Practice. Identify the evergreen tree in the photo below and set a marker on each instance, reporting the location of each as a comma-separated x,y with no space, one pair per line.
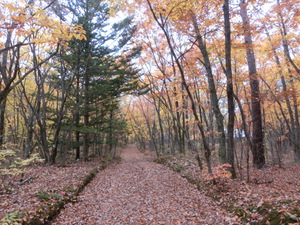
103,72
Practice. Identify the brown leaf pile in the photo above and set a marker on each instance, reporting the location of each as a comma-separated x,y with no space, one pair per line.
271,197
51,180
138,191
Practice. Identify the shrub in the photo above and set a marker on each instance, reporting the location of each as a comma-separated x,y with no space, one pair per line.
218,173
12,218
12,166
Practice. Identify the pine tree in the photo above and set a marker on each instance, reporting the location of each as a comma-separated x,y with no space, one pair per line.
103,73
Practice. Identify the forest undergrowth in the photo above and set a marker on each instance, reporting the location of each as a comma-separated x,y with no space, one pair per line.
37,195
272,195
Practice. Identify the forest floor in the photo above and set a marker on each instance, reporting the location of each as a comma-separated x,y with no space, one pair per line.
272,195
40,191
139,191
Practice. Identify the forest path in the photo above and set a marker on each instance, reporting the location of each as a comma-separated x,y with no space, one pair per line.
138,191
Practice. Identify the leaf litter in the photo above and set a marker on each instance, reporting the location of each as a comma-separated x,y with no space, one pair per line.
45,183
271,197
139,191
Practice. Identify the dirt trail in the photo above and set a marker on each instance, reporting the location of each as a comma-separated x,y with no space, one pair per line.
138,191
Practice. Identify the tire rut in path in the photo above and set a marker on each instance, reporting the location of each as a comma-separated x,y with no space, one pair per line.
138,191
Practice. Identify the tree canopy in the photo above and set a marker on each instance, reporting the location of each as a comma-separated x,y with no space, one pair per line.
217,78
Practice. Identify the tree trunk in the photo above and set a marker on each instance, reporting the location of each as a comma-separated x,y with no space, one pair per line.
230,98
77,120
213,92
86,117
257,129
29,136
2,118
4,92
110,133
162,139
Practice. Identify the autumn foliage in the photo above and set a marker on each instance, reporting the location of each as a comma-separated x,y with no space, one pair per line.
184,64
216,81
